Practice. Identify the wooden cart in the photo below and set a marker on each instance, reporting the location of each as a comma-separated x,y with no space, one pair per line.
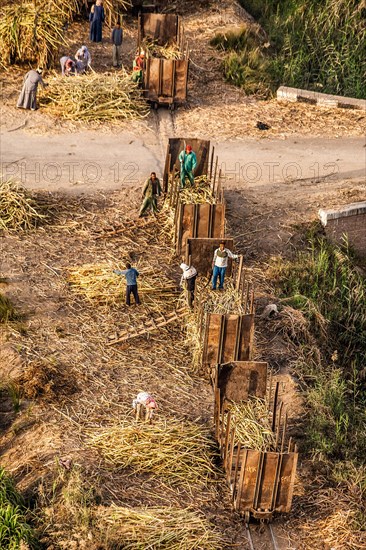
261,482
164,80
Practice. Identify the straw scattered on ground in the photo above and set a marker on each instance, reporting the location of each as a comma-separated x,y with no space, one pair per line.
18,210
181,452
173,528
98,283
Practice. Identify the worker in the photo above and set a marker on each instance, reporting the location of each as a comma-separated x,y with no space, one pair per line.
138,66
117,38
219,264
188,163
131,275
189,277
28,96
83,59
144,399
68,66
96,19
150,193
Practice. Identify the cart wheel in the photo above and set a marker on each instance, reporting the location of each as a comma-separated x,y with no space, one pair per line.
247,517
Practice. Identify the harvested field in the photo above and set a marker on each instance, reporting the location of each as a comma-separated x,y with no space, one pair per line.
66,331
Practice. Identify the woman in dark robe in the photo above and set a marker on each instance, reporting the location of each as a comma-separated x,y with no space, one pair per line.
96,19
28,95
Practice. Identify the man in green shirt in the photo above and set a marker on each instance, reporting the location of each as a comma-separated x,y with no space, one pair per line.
150,193
188,163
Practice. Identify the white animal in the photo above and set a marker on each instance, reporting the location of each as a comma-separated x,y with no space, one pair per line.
146,401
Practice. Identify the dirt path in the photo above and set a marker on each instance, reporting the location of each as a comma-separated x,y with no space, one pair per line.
90,160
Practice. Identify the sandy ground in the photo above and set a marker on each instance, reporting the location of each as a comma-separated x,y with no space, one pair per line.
275,181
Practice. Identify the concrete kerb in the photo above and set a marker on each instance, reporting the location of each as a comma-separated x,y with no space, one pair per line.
354,209
284,93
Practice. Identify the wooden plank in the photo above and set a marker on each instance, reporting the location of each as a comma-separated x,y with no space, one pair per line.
202,252
286,482
267,481
248,491
203,218
246,338
238,380
230,338
212,338
159,27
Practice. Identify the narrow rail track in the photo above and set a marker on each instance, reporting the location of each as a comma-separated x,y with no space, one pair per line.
255,539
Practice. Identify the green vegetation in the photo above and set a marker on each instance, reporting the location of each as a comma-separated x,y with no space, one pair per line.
7,311
15,532
324,284
314,45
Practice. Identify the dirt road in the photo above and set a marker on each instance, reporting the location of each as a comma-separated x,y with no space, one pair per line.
90,160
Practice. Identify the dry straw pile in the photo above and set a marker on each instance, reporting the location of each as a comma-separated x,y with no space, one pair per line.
252,425
199,194
173,528
168,51
98,284
95,97
181,452
17,207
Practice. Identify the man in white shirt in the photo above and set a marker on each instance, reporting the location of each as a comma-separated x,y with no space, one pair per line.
219,264
189,275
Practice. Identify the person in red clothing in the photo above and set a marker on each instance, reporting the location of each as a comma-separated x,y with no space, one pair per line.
138,66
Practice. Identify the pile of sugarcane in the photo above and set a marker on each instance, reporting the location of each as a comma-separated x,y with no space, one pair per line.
137,528
167,51
200,193
99,284
226,302
94,97
252,424
180,452
29,32
17,207
32,31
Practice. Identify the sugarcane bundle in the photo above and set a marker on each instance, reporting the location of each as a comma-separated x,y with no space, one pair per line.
18,210
97,283
94,97
252,424
152,527
29,32
167,51
222,303
180,452
200,193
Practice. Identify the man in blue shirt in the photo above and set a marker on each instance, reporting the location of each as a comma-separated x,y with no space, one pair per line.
131,275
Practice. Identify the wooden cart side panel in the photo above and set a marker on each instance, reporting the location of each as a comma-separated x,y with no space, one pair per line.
152,78
286,482
228,348
203,220
250,480
187,224
238,380
212,339
200,147
202,252
267,481
167,77
218,221
180,80
160,27
246,339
